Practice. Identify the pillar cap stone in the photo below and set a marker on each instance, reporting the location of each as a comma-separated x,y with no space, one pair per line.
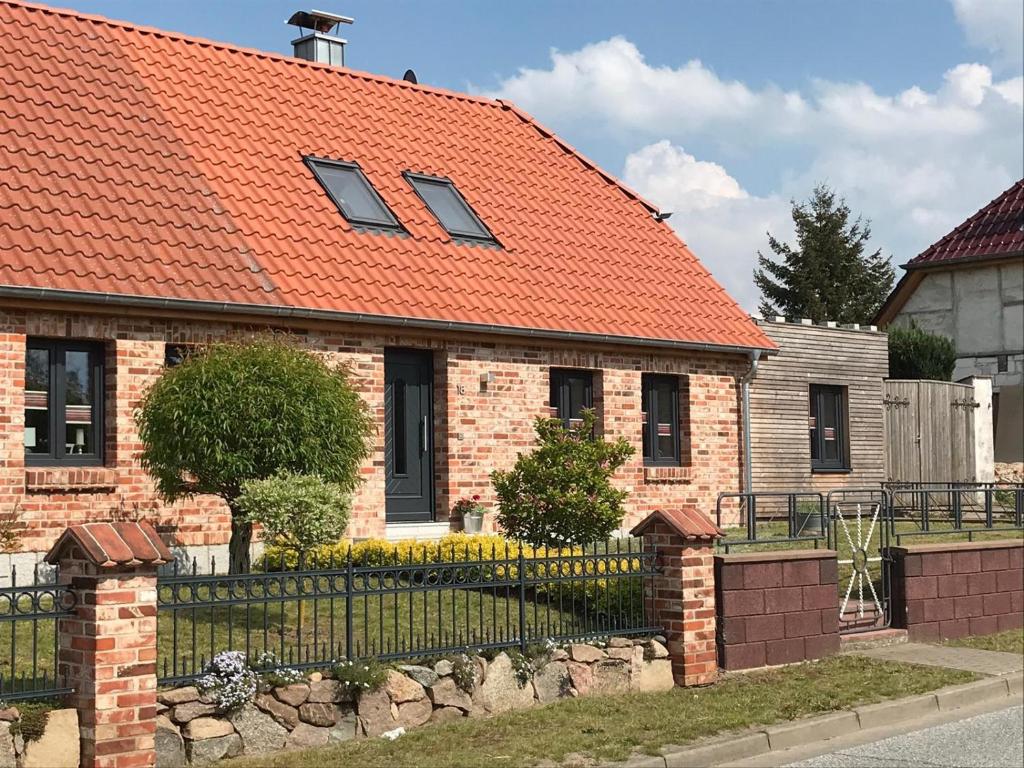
687,522
112,545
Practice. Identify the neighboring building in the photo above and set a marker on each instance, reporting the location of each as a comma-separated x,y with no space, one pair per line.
471,268
817,420
969,286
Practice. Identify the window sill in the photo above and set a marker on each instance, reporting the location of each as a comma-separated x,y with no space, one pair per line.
832,471
668,474
76,479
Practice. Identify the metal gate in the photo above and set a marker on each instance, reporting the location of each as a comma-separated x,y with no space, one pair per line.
929,431
859,531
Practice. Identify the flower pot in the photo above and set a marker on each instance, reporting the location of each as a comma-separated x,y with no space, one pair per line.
472,523
809,523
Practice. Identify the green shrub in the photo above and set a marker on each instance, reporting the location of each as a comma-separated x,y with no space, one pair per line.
917,354
361,676
296,511
561,494
241,411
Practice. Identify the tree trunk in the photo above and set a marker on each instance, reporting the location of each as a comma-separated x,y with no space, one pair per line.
238,547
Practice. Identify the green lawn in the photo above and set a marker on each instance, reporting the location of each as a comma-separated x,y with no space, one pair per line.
1010,641
307,631
612,728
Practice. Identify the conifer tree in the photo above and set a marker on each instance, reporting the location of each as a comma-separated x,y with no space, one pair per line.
826,275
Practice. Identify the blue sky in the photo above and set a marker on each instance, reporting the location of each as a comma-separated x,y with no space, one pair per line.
720,111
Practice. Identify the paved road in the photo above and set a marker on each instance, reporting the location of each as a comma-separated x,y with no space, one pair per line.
989,740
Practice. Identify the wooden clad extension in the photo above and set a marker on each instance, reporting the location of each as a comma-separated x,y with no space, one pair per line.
856,359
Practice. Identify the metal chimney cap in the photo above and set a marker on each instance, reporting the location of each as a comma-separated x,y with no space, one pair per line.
319,21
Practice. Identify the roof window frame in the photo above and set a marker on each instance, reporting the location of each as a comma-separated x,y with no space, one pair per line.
395,226
464,237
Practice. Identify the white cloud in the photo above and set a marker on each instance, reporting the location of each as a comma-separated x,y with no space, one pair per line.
997,25
718,219
915,162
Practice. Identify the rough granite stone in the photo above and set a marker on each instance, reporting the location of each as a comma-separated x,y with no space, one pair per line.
619,642
610,677
260,733
447,694
206,728
306,736
655,675
657,650
581,677
446,715
621,653
422,675
443,668
170,747
316,677
558,654
500,691
374,709
585,653
326,691
414,713
345,726
551,682
402,689
8,756
183,713
319,714
208,751
9,714
178,695
282,713
292,695
58,746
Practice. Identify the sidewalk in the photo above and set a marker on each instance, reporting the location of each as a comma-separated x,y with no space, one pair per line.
1002,685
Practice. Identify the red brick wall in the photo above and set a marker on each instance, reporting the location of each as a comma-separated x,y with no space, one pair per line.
776,607
478,427
954,590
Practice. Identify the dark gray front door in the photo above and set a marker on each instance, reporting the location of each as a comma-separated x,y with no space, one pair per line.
408,435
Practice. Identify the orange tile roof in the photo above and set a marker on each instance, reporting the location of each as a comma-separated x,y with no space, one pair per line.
139,163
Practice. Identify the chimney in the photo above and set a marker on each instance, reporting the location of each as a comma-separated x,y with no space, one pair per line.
315,44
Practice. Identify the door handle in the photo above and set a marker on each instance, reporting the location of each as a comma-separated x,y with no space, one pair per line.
425,436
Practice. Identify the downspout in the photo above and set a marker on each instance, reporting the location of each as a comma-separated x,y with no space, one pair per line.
755,356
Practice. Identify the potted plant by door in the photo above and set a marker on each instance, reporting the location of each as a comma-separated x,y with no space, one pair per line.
472,512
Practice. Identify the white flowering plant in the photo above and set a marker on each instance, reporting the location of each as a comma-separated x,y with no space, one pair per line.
272,672
360,676
229,680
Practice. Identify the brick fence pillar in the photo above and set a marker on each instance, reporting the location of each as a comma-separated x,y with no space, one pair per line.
681,598
107,650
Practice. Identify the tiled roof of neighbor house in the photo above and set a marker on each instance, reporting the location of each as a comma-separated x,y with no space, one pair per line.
140,163
996,231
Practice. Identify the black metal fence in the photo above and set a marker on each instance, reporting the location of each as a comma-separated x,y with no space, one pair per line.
772,517
971,509
321,612
28,637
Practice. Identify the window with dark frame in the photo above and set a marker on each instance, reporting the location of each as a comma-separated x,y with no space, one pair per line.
63,402
449,207
827,428
660,403
351,191
571,392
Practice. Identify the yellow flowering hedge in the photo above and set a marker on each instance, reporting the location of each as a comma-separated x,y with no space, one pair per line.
461,547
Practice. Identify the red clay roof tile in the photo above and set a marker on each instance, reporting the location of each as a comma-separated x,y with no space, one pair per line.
996,231
108,545
687,522
141,163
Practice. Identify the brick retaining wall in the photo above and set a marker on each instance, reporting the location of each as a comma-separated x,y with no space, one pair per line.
776,607
944,591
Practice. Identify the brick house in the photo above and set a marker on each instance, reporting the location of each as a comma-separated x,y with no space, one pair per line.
472,269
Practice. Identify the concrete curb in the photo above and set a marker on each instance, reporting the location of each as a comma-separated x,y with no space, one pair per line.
730,748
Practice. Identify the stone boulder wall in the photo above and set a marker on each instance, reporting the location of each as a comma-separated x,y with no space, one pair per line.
321,711
56,747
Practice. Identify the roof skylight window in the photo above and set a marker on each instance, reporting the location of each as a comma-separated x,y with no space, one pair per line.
350,190
449,208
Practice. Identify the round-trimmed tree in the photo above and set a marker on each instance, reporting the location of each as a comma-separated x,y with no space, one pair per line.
914,353
240,411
